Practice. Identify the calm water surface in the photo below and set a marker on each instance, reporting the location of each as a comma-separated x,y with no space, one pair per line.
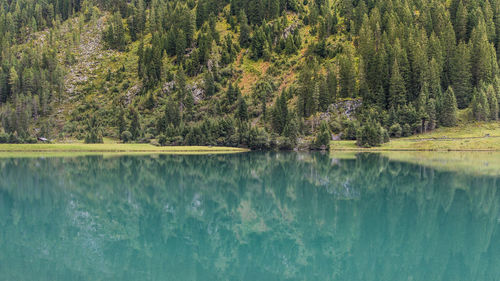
256,216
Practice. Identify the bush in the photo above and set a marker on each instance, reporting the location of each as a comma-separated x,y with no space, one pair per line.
322,140
396,131
93,137
372,134
146,138
13,138
350,130
30,140
162,140
406,130
258,139
4,138
126,136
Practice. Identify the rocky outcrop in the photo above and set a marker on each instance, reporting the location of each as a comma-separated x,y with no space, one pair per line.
346,108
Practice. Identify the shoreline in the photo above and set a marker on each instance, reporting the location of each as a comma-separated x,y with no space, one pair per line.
115,148
368,150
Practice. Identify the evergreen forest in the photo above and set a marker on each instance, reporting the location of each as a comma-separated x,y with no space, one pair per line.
262,74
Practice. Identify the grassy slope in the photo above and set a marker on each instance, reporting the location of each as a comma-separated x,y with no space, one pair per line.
472,136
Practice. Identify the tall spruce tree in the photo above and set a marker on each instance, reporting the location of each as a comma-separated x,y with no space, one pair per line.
449,109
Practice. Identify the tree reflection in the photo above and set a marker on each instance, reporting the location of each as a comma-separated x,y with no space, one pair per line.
256,216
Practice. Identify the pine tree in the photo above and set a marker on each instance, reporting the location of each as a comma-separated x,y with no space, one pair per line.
242,113
484,61
449,109
493,103
347,73
477,107
209,84
324,97
121,122
461,19
397,90
135,126
331,83
180,45
14,83
245,30
232,94
306,83
461,77
431,113
280,114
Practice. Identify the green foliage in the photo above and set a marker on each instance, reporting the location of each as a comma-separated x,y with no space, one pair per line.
94,134
449,109
406,61
114,34
322,140
371,134
242,112
126,136
396,131
350,131
280,118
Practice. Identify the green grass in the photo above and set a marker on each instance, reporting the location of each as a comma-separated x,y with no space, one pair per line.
469,137
19,149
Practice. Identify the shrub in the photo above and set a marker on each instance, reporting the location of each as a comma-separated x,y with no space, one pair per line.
13,138
162,140
406,130
4,138
126,136
322,140
372,134
30,140
93,137
258,139
350,130
396,131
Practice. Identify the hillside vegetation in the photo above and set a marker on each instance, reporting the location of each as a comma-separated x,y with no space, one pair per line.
260,74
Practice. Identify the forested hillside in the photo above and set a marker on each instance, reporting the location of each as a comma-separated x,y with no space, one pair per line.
255,73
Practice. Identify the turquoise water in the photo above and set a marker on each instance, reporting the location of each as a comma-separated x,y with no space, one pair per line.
255,216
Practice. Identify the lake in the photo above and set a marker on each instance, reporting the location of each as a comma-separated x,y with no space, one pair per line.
252,216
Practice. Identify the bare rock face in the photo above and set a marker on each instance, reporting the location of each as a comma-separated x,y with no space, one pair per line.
168,87
132,92
194,89
290,29
346,108
197,92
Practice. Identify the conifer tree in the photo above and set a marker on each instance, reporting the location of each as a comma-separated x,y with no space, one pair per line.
135,126
347,74
242,113
209,84
461,77
245,30
461,19
484,62
449,109
397,90
280,114
493,103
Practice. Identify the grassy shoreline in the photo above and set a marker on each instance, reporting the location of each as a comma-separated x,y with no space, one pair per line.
113,148
470,137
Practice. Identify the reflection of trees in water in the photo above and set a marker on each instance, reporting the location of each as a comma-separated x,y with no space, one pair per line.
268,216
